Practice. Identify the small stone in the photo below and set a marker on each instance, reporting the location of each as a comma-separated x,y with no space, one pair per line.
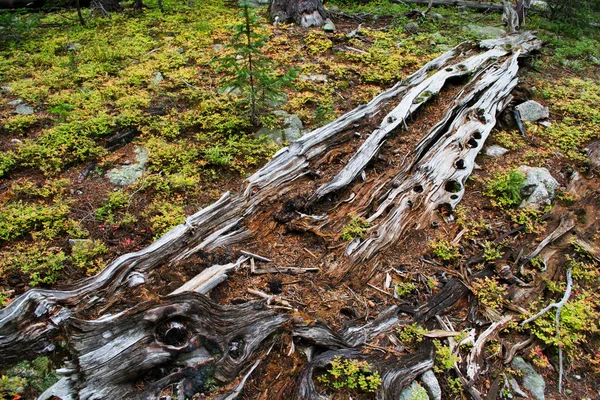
128,174
462,9
24,109
411,27
568,391
73,46
181,50
532,111
578,377
329,27
6,89
217,48
431,384
495,151
414,392
436,16
157,78
532,381
16,141
320,78
545,123
15,103
73,242
539,187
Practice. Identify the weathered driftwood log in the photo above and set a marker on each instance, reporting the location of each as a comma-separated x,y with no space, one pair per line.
176,338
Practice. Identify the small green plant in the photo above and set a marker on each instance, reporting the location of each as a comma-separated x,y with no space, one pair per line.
491,252
404,288
37,374
357,228
445,250
115,202
11,386
504,188
455,385
352,374
489,292
411,334
444,358
39,261
529,217
249,70
87,254
164,215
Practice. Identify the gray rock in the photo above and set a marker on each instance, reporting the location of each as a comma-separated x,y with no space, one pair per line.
16,141
329,27
411,27
545,123
217,48
314,78
233,91
128,174
532,381
278,100
532,111
539,186
73,242
333,8
462,9
414,392
431,384
516,389
157,78
6,89
24,109
15,103
258,3
436,16
485,32
73,46
292,129
593,152
495,151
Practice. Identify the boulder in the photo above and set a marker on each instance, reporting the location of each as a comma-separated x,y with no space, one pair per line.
485,32
532,381
292,129
431,384
539,187
24,109
436,16
495,151
128,174
532,111
414,392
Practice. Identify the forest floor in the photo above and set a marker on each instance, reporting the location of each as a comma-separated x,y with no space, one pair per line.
151,80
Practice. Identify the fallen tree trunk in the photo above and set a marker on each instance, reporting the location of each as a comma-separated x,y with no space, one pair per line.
185,338
457,3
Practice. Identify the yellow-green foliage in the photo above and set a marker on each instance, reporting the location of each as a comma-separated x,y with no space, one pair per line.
164,215
19,218
317,42
575,100
444,359
489,292
352,374
404,288
510,140
504,188
445,250
411,334
578,320
491,252
357,228
87,254
40,262
529,217
19,123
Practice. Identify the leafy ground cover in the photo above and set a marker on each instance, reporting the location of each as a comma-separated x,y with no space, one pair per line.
153,76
